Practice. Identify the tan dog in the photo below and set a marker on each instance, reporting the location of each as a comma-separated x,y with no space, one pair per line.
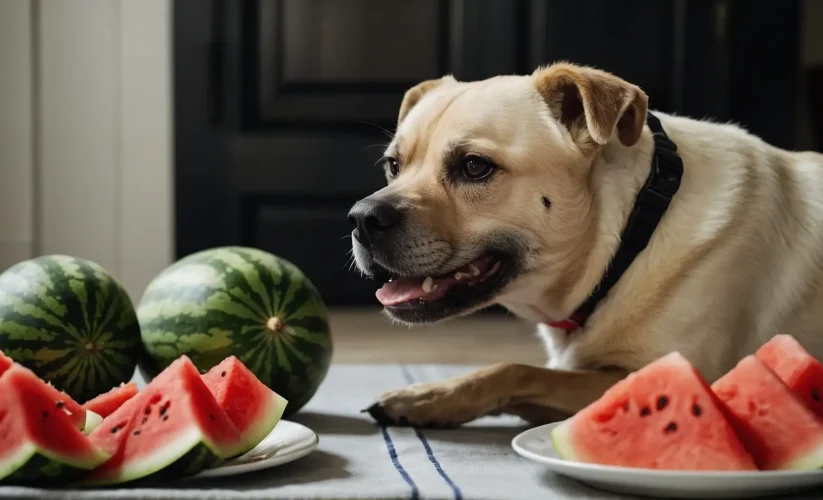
514,190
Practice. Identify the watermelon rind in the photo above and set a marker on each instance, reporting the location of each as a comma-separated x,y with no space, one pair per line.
244,302
811,461
16,460
166,455
561,443
188,453
30,463
71,322
92,421
266,423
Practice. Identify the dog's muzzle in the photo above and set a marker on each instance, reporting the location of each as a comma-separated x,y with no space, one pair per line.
374,219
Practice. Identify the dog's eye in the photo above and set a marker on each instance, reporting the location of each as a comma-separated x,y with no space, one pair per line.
475,168
393,165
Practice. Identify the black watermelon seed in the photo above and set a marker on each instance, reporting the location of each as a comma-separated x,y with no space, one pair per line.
815,394
223,374
45,414
60,404
144,420
162,411
671,427
136,433
165,417
114,429
662,402
645,411
147,411
696,410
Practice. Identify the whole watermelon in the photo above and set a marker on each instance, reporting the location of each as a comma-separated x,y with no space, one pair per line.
243,302
70,322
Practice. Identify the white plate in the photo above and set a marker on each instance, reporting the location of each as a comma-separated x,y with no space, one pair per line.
286,443
536,444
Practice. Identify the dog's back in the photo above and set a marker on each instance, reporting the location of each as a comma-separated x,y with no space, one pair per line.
737,259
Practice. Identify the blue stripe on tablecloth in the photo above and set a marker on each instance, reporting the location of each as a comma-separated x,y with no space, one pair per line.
458,495
415,493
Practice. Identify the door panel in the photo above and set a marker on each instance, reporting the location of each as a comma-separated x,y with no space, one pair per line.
326,61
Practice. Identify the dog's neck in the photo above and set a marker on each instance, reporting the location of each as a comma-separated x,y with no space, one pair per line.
619,174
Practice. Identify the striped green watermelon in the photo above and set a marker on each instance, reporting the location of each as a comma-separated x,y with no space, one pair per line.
70,322
242,302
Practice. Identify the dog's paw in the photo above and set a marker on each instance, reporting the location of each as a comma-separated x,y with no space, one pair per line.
423,405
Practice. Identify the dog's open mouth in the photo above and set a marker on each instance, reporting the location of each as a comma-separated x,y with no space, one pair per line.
425,298
426,289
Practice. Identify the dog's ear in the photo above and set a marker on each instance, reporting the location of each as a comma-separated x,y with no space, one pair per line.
593,103
414,94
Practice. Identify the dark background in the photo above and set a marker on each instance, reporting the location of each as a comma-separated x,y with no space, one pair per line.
279,104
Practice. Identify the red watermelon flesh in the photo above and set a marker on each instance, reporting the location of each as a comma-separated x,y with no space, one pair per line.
105,404
663,416
173,427
76,413
774,425
38,440
796,368
5,363
252,406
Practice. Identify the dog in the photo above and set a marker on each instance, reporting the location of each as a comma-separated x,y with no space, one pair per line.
519,191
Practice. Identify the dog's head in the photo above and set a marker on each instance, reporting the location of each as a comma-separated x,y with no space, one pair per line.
489,196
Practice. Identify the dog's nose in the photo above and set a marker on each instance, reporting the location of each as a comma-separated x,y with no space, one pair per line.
369,218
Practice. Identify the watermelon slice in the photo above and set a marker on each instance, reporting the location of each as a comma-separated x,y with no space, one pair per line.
76,413
105,404
172,428
253,408
796,368
664,416
774,425
38,441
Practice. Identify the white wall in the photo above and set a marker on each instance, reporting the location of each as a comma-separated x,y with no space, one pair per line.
102,174
16,133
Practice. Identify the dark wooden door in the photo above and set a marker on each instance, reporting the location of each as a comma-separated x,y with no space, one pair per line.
299,98
283,106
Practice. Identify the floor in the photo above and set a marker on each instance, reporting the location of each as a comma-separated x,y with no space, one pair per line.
367,336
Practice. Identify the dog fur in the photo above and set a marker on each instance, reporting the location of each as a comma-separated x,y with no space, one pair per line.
737,258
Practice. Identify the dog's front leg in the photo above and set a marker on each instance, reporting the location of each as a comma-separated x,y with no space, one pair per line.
531,392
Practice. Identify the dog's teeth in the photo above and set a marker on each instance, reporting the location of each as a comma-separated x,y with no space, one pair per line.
459,276
475,271
427,284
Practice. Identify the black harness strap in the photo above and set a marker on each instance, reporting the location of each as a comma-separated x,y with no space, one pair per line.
649,206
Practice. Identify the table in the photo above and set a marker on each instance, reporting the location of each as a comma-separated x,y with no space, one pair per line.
358,459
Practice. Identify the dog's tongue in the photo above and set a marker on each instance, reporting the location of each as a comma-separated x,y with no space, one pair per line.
402,290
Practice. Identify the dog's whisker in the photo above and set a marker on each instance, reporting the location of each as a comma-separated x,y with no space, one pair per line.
388,133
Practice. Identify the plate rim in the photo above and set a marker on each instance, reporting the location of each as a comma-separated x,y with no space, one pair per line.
229,469
638,472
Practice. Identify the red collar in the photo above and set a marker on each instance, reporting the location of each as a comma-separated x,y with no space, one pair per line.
570,324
